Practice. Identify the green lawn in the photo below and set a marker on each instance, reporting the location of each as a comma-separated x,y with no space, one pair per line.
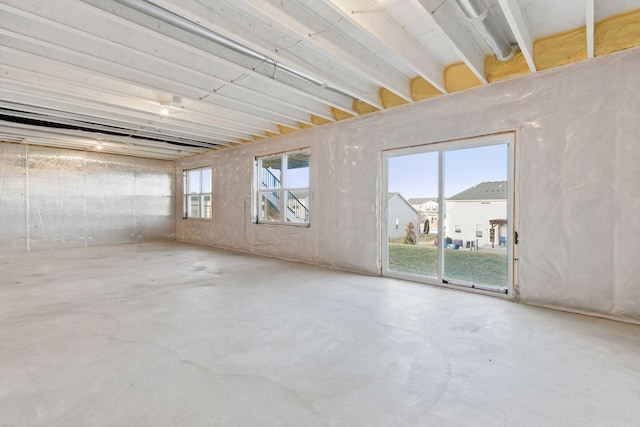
475,267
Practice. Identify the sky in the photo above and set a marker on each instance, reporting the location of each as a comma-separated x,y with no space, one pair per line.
416,175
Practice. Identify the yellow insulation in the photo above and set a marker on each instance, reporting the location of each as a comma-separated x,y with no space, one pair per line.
458,77
286,129
422,89
340,115
560,49
319,121
496,70
390,99
617,33
610,35
362,107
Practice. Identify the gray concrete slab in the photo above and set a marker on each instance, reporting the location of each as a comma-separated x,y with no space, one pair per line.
174,334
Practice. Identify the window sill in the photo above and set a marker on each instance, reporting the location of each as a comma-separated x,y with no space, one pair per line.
285,224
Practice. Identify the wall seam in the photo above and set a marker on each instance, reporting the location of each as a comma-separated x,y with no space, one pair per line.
135,197
26,195
84,193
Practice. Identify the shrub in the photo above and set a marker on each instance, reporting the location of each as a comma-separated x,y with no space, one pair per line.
411,238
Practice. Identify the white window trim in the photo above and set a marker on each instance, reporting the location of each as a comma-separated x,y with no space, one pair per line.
282,189
186,194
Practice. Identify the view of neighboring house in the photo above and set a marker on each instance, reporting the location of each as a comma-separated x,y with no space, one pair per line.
399,214
428,209
469,214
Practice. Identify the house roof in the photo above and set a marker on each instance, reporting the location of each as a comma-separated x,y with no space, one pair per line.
394,194
491,190
421,200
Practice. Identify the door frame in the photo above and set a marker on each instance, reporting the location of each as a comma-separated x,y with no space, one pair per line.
441,147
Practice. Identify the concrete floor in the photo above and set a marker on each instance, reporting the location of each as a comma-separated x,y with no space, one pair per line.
170,334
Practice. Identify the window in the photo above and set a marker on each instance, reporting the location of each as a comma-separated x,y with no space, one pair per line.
478,230
458,228
283,188
197,193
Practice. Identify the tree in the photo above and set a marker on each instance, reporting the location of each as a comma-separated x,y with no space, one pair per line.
410,238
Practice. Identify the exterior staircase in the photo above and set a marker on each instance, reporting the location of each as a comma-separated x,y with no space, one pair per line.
296,211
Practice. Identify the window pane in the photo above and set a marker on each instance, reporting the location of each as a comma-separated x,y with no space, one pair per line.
271,172
413,192
206,206
194,207
206,181
475,182
269,206
185,180
298,206
194,182
297,171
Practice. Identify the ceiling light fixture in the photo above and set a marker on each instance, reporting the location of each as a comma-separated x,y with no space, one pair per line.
484,21
174,104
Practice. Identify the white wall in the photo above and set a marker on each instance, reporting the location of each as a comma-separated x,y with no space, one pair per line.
578,182
403,213
55,198
469,213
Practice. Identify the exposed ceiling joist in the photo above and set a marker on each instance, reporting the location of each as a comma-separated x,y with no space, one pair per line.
65,138
101,131
172,78
147,65
46,105
520,28
241,22
590,18
448,21
326,37
377,23
112,103
196,38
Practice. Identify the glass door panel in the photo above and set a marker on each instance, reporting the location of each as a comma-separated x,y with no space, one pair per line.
476,216
412,214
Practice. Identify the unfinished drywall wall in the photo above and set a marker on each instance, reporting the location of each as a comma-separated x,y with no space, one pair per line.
56,198
578,182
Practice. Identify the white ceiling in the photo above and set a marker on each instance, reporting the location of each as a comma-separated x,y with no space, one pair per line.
96,74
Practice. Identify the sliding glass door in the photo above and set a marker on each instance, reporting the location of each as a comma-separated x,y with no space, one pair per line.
448,211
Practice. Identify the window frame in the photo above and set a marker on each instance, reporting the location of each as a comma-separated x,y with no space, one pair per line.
442,147
284,191
187,196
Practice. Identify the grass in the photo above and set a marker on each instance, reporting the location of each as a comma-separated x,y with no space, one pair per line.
475,267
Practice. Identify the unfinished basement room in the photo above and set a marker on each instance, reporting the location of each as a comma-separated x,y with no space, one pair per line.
335,213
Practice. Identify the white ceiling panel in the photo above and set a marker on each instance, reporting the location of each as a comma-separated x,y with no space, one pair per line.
607,8
549,17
